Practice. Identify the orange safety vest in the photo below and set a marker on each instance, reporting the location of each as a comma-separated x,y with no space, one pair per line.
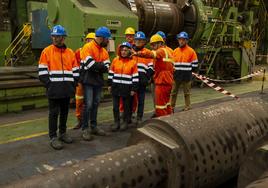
123,76
59,71
163,67
185,60
94,62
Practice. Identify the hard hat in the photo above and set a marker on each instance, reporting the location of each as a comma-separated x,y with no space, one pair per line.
130,31
140,36
58,30
156,38
90,36
162,34
182,35
125,44
103,32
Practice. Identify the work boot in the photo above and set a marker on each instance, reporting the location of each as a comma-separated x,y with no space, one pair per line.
124,126
115,126
66,139
97,131
86,135
79,124
56,144
138,121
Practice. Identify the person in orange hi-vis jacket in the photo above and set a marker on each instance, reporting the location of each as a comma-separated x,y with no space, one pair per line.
163,74
79,93
59,71
123,82
130,35
95,62
186,62
145,69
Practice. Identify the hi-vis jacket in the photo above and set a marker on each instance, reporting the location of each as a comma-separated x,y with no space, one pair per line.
123,76
185,61
94,62
59,71
163,65
145,67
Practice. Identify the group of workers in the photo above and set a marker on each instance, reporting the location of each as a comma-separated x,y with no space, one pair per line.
65,73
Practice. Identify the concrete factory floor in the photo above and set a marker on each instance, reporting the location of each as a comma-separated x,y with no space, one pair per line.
28,154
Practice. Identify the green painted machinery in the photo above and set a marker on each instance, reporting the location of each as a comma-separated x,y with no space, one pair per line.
82,16
230,36
226,34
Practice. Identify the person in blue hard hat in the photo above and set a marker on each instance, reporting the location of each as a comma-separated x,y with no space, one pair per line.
59,71
186,62
94,62
123,82
145,70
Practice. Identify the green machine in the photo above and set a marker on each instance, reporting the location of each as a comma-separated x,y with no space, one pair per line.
80,17
226,34
230,36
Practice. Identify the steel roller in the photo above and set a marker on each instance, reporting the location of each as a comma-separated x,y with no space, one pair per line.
199,148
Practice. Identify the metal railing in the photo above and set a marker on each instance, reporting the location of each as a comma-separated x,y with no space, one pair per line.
18,46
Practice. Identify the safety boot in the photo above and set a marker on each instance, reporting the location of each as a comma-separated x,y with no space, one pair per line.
124,126
79,124
115,126
138,121
65,138
86,135
187,103
56,144
97,131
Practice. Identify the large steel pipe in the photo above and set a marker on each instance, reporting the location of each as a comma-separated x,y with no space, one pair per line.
213,141
138,166
198,148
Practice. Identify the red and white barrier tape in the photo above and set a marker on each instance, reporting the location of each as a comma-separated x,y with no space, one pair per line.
238,79
214,86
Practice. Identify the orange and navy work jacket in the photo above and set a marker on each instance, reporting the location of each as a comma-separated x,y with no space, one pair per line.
163,65
59,71
185,61
123,76
145,67
94,62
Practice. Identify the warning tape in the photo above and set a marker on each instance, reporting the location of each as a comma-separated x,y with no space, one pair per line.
214,86
238,79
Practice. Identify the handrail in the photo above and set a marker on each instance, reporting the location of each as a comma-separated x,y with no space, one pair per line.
11,44
16,47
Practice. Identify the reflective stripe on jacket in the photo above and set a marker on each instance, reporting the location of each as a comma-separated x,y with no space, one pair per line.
123,76
185,61
145,68
94,62
59,71
163,67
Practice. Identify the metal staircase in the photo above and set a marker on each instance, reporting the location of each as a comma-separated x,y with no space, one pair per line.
20,48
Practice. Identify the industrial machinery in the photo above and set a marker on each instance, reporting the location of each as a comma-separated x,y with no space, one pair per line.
227,34
199,148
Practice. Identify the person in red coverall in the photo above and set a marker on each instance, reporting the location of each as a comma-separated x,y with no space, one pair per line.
163,74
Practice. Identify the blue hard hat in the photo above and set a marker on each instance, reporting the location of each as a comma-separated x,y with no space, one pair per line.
140,36
125,44
183,35
162,34
103,32
58,30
